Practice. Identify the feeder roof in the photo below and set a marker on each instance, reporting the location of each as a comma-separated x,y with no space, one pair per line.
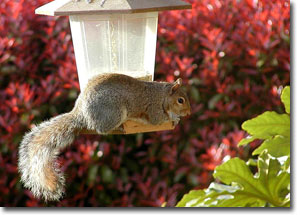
75,7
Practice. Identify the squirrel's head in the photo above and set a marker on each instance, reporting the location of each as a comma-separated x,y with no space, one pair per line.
178,100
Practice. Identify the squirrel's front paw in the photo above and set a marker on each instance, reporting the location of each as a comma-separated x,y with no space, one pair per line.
175,121
174,118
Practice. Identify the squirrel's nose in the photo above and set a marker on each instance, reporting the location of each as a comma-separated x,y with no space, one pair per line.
189,112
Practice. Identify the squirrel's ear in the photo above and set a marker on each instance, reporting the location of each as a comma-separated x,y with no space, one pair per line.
176,85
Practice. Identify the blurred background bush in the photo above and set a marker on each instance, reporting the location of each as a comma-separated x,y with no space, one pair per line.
233,56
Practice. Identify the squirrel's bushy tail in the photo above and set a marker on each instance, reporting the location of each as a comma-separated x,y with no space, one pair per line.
38,152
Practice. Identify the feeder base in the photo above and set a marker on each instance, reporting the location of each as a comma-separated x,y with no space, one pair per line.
132,127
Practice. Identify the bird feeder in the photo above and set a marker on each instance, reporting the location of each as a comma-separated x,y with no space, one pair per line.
114,36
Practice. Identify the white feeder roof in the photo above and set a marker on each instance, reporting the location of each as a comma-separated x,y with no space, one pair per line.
75,7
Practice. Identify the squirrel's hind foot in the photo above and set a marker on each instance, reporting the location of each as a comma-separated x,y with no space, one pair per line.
118,130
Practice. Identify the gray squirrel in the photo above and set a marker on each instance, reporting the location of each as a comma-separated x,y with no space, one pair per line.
104,105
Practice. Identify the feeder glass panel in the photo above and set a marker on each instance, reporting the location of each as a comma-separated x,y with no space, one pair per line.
114,43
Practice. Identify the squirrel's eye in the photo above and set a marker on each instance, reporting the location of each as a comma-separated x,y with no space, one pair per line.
180,100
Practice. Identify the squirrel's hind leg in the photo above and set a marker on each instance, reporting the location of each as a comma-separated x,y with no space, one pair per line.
108,118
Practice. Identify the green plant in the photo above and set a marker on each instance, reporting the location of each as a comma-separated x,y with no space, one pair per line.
270,185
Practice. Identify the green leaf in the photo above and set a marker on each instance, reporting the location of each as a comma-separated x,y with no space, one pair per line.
268,124
266,187
242,189
278,146
195,95
285,98
232,196
260,63
214,100
252,162
219,195
107,174
241,199
286,165
191,199
92,173
211,197
274,180
236,170
247,140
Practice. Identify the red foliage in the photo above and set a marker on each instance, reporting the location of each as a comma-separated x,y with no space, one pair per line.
233,57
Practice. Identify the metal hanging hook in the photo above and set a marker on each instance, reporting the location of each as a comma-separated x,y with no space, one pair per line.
102,3
90,1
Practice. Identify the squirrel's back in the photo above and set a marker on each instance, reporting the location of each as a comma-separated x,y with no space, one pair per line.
117,82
